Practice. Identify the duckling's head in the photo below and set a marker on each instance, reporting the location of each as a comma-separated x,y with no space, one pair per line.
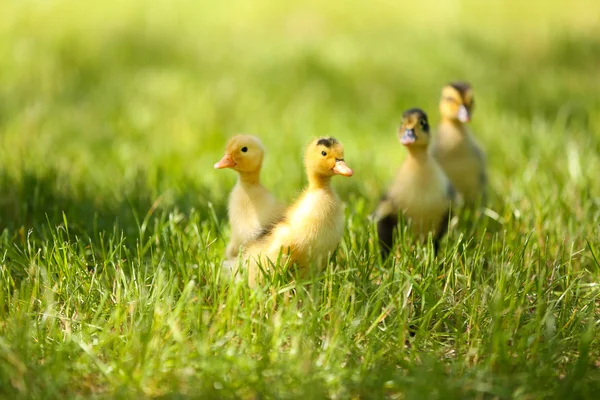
324,157
414,130
457,102
243,153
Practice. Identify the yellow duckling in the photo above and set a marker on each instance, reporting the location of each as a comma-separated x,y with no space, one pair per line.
421,190
313,226
251,207
454,147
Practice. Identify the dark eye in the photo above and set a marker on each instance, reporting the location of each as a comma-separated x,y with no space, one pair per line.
324,153
244,149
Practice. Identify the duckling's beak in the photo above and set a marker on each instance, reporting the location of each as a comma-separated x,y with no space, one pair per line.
409,137
341,168
463,114
226,162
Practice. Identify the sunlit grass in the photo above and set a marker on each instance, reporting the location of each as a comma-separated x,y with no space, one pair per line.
114,226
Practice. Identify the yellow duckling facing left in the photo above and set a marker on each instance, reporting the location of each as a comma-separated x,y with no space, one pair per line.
421,190
251,206
313,226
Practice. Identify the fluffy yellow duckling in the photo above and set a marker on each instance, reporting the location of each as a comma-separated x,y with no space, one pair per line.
251,207
421,190
454,147
313,226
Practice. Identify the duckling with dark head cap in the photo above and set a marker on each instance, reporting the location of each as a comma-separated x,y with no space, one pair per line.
455,148
313,226
421,191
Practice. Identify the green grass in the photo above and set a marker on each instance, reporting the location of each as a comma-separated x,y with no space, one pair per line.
113,221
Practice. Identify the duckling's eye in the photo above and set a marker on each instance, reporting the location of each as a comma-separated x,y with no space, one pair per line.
244,149
324,153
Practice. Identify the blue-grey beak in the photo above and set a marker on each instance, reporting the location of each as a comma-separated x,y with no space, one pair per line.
463,114
408,137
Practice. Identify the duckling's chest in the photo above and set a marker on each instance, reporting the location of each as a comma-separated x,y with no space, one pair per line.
421,194
250,209
318,220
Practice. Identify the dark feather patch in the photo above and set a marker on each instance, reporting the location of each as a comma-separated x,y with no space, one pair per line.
327,142
420,114
415,111
268,229
451,192
425,124
461,87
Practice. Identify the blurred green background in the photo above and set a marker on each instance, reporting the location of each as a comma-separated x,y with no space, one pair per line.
108,106
112,218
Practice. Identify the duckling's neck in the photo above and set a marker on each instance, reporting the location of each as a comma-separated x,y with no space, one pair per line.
316,182
418,154
249,178
454,123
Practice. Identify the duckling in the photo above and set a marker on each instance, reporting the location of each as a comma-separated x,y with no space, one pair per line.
251,206
313,226
421,190
455,148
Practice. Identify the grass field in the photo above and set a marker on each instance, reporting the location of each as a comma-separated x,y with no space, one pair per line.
113,222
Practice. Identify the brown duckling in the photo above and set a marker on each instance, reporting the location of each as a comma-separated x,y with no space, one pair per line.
421,191
251,206
313,226
455,148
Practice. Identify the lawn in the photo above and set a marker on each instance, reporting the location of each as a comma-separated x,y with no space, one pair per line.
113,221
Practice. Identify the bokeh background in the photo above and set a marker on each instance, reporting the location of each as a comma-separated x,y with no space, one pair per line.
113,221
108,106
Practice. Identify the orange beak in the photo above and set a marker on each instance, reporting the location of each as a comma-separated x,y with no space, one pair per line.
341,168
225,162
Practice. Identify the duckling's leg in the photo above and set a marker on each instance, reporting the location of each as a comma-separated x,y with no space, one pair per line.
387,221
385,229
442,229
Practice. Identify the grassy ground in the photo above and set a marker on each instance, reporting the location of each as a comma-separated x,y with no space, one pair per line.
113,221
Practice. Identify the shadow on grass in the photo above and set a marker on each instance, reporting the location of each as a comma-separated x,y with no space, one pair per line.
39,201
42,216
